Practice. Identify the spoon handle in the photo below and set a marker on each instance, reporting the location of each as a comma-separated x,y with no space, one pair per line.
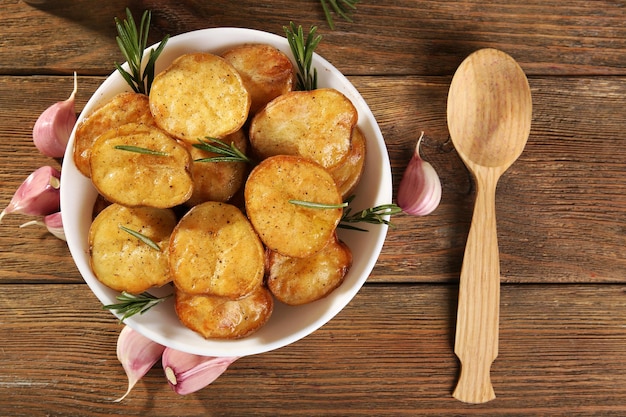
476,343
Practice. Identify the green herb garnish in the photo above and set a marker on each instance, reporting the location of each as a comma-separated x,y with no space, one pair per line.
130,304
373,215
145,239
302,49
225,152
138,149
311,204
342,8
132,43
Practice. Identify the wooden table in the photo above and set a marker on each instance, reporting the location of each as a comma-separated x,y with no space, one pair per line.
561,216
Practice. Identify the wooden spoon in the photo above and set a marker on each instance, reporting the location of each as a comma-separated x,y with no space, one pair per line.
489,116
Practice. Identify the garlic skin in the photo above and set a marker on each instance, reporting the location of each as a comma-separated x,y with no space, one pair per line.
53,127
419,192
187,373
38,195
137,354
53,222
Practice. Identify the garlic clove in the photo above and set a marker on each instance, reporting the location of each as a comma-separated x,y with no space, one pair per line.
38,195
53,127
187,373
53,222
137,354
419,192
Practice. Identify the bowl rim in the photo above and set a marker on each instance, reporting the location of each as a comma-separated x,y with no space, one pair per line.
76,187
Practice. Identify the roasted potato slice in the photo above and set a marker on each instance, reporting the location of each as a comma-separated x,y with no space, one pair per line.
348,174
199,95
288,228
296,281
266,72
222,318
123,108
217,181
124,262
214,250
316,125
161,178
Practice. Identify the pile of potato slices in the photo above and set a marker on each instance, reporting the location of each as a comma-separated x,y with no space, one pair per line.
230,236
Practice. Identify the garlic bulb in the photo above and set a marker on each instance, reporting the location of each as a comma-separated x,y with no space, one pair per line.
187,373
53,222
137,354
53,127
38,195
419,192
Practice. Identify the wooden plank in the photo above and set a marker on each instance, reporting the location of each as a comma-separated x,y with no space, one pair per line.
427,38
388,353
561,207
561,216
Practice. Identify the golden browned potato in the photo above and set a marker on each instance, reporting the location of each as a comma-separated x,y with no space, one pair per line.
124,262
135,178
316,125
214,250
296,281
266,72
217,181
123,108
348,174
199,95
222,318
284,227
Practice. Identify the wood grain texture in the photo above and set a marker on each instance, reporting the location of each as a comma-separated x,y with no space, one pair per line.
401,37
489,116
561,212
388,353
561,208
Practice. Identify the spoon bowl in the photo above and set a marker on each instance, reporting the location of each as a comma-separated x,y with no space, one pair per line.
489,109
489,115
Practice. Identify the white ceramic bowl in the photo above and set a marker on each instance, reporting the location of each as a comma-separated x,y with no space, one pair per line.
287,324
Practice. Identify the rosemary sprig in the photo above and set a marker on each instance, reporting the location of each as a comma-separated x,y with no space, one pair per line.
145,239
342,8
302,49
226,153
132,43
131,304
138,149
373,215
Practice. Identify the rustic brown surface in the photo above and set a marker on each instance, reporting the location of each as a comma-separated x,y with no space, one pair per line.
561,220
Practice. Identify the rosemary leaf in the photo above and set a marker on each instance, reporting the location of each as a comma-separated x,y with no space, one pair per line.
302,49
138,149
342,8
226,153
373,215
311,204
145,239
130,304
148,74
132,43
